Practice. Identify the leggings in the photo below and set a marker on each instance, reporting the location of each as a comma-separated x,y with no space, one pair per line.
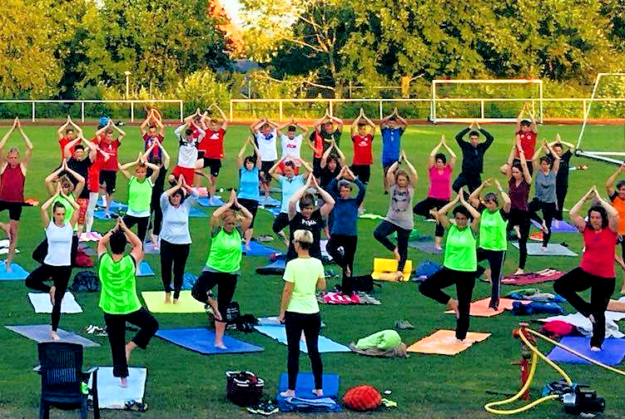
465,281
142,225
471,180
60,277
226,284
601,290
495,261
310,324
549,211
381,234
423,208
93,199
561,191
520,218
173,255
116,330
157,215
343,249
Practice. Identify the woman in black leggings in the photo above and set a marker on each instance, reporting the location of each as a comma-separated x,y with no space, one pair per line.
519,181
57,265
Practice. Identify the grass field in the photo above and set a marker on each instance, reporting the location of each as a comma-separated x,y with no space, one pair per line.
184,384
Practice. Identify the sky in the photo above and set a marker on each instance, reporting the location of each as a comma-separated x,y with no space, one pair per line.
232,6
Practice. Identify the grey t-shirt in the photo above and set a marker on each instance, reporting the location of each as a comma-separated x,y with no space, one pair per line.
400,208
546,186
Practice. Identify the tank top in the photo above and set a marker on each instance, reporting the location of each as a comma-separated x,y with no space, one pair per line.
460,251
440,183
519,194
546,187
59,245
493,231
225,252
139,197
119,285
12,184
598,256
619,205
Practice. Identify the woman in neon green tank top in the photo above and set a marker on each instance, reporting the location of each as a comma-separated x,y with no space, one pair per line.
71,191
460,262
224,261
493,236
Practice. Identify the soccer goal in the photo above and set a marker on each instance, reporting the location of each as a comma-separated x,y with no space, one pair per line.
485,100
602,136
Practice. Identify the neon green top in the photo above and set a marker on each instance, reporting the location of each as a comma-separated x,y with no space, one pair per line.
69,209
139,197
304,274
119,286
460,250
225,253
493,231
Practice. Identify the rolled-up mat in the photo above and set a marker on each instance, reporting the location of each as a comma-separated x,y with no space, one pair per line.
17,272
41,303
41,333
553,249
444,342
279,333
258,249
202,340
612,351
112,396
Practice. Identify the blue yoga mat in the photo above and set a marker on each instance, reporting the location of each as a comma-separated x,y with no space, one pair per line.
258,249
202,340
273,210
279,333
274,268
612,353
558,227
17,272
100,215
149,249
269,201
115,206
205,202
197,213
188,280
305,384
145,269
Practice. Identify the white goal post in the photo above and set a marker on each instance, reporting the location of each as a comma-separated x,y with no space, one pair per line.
535,102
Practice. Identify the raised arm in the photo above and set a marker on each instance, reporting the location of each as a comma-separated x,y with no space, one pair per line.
489,138
441,214
390,174
507,203
145,124
303,128
609,184
79,178
354,127
412,172
273,169
362,189
135,242
613,216
328,200
556,159
460,137
52,177
297,196
45,217
475,195
324,158
576,218
475,224
59,132
225,207
155,170
3,142
400,119
434,152
338,151
452,155
67,150
371,124
240,156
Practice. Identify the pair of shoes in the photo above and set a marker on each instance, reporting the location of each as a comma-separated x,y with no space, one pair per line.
96,330
135,406
263,407
403,325
265,238
111,216
367,299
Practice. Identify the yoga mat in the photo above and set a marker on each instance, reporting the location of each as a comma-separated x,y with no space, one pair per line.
305,384
112,396
100,215
529,278
558,227
202,340
274,268
273,210
480,308
41,303
155,300
148,248
145,269
41,333
443,342
258,249
612,351
370,216
279,333
115,206
424,246
17,272
197,213
269,201
554,249
205,202
188,280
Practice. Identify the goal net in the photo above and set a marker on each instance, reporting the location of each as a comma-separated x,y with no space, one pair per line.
602,136
484,100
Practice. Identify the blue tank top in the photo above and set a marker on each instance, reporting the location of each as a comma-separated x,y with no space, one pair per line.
249,184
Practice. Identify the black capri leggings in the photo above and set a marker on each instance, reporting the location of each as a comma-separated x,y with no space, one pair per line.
173,255
60,277
251,206
495,260
226,285
549,211
381,234
310,324
520,218
343,249
142,225
423,208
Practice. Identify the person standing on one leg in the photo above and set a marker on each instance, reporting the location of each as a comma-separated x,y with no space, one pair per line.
399,216
493,241
299,310
265,133
108,174
472,157
526,134
439,193
392,127
57,265
596,270
81,161
291,142
211,148
545,196
118,297
152,135
12,179
519,181
363,156
188,135
249,186
223,265
460,263
72,132
617,198
162,161
562,179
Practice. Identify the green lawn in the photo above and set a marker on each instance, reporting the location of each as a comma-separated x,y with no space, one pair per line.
188,385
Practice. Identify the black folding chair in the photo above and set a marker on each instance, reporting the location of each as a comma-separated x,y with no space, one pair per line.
62,379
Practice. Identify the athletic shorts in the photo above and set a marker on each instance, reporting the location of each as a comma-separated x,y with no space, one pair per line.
265,166
362,171
15,209
214,164
108,178
316,167
83,204
386,164
186,172
251,206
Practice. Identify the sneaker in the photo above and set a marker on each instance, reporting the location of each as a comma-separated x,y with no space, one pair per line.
341,251
268,408
403,325
265,238
255,408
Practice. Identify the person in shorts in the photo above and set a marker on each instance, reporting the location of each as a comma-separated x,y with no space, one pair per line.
392,129
265,134
108,174
188,161
211,148
67,133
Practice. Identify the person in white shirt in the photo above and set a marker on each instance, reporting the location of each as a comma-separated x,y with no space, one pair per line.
188,161
291,142
265,135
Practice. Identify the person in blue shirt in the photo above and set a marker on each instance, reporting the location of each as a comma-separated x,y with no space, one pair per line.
249,184
344,229
392,128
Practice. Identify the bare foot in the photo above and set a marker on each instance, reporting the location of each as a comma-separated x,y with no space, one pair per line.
487,274
247,247
544,228
622,290
7,229
220,345
176,300
130,346
318,392
519,271
52,293
399,276
7,266
288,393
396,253
595,349
453,305
517,230
348,271
216,313
544,248
55,336
123,382
167,297
592,319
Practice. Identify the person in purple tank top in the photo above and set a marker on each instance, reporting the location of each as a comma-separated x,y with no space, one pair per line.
12,178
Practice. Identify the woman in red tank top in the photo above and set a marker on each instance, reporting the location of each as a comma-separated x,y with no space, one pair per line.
596,270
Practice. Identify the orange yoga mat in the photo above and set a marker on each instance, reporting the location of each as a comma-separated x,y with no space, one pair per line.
444,342
480,308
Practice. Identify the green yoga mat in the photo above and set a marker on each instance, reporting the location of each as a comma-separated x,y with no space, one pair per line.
155,300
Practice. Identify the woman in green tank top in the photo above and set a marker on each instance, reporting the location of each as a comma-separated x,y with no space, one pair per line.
71,191
493,241
223,265
460,262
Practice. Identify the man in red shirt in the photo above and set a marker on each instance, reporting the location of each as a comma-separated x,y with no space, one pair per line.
153,121
363,156
211,148
12,178
108,175
71,132
526,133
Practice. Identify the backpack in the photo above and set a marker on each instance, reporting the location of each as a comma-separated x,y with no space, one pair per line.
246,323
363,283
426,269
85,281
244,388
362,398
232,315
